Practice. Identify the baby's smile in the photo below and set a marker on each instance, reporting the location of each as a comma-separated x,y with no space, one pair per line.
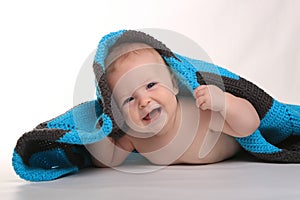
152,115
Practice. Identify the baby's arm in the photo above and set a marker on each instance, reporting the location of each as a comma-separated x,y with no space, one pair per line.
110,152
241,118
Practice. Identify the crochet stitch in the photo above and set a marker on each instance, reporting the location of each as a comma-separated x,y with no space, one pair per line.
56,147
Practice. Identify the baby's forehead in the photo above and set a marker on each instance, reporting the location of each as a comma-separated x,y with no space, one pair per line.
146,72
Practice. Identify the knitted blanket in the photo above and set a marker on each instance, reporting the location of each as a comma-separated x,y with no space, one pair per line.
55,148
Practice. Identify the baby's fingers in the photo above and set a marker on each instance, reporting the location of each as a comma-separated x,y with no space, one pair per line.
201,102
200,91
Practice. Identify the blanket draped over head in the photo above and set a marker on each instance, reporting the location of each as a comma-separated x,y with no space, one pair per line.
55,148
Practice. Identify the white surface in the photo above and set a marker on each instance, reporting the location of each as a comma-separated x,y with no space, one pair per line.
234,179
43,47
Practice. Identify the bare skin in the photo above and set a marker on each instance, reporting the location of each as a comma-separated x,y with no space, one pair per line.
196,130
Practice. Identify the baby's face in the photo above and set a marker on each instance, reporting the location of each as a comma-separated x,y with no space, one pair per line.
143,90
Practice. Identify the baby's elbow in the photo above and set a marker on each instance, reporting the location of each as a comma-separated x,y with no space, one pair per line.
97,163
253,121
115,164
253,125
256,123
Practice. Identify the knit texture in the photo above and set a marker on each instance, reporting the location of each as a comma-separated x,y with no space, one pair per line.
55,148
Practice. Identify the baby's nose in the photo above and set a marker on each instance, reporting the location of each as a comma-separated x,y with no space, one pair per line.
144,102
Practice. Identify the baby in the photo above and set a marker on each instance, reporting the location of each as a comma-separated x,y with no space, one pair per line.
163,126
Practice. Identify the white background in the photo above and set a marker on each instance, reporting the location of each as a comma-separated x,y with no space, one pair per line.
43,45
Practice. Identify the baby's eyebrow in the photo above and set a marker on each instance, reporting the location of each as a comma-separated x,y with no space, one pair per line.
123,92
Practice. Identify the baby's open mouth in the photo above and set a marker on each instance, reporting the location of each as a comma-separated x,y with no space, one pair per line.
152,115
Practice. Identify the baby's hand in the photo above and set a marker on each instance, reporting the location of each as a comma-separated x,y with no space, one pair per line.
210,97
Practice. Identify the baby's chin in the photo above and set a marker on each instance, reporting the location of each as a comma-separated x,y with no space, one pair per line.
144,131
148,129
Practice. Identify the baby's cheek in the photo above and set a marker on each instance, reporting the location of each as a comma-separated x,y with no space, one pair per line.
129,113
125,113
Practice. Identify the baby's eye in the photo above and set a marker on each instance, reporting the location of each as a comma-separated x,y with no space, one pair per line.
127,100
150,85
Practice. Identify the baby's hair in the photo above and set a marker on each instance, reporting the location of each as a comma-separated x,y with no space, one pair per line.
122,51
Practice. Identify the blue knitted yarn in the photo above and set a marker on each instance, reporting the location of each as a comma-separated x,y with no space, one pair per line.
203,66
81,123
185,68
102,51
280,123
105,43
294,107
51,159
294,111
255,143
185,71
90,136
82,117
36,173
